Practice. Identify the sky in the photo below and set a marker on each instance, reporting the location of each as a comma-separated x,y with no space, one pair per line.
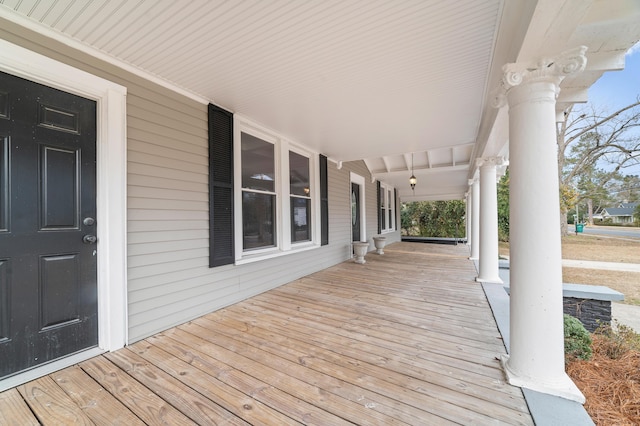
616,89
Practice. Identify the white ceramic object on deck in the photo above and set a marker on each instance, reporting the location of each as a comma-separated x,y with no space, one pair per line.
360,250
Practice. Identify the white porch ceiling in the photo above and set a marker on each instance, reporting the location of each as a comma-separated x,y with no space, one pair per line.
375,80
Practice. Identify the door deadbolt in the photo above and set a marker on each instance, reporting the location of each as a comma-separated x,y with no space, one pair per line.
89,239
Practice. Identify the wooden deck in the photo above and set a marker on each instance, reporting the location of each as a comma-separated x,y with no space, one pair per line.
407,338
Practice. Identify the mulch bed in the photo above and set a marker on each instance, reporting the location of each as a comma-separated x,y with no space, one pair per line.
610,380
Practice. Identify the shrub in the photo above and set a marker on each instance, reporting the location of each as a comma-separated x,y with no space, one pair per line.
618,340
610,381
577,340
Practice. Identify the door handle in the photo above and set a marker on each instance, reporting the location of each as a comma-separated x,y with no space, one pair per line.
89,239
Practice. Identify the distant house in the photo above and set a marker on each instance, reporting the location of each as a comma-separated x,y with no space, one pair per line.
622,213
598,214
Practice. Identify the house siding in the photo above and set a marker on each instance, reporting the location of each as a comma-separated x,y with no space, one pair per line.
169,281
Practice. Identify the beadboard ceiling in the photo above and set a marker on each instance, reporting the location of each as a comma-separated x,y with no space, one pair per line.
377,80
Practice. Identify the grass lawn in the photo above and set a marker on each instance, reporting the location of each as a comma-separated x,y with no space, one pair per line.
601,249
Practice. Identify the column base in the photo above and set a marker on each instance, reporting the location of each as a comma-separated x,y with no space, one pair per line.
495,280
563,386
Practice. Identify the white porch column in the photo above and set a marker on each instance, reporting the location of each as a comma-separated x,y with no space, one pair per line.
475,218
536,359
467,215
489,220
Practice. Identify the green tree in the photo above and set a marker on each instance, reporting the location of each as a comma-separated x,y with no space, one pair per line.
433,218
568,199
503,207
627,189
588,138
636,214
593,188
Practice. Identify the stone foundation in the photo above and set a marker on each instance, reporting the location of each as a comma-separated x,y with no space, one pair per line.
591,312
591,304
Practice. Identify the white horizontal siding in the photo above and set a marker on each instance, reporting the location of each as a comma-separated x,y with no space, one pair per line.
166,225
169,281
162,182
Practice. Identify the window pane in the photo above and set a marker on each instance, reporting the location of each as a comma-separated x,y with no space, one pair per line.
300,219
390,206
299,174
258,220
258,165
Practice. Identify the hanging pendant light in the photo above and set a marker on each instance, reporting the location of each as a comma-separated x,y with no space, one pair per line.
412,179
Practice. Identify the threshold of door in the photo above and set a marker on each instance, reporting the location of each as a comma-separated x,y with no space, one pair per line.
48,368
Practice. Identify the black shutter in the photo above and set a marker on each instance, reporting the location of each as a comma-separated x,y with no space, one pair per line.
221,238
395,208
380,216
324,202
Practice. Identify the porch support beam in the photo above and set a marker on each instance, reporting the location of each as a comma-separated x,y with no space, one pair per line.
475,219
488,264
536,359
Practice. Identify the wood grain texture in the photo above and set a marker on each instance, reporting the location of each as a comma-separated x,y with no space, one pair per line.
193,404
51,404
98,404
407,338
14,410
141,401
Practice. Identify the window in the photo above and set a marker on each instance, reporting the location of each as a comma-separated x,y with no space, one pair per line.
258,193
387,211
277,195
382,221
390,205
300,193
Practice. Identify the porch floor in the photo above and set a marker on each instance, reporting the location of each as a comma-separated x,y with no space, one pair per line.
407,338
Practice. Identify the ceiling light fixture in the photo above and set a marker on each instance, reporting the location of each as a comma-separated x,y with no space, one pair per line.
412,179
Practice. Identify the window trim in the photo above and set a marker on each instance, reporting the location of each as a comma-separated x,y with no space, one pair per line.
389,207
282,146
239,237
310,159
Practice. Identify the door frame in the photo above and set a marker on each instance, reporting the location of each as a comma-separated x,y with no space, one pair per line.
111,179
359,180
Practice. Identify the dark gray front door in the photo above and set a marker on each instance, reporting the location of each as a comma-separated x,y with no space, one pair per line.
355,211
48,279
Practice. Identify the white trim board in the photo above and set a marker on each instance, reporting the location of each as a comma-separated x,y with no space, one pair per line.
111,183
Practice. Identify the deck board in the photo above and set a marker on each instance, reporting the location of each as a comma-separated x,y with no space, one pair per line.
14,410
98,404
407,338
51,404
140,400
198,408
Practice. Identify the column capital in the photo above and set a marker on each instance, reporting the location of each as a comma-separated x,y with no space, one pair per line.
552,70
472,181
490,161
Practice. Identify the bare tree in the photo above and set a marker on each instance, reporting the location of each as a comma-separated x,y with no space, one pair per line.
588,139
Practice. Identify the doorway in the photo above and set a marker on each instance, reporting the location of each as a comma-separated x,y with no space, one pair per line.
48,267
357,199
111,212
355,212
